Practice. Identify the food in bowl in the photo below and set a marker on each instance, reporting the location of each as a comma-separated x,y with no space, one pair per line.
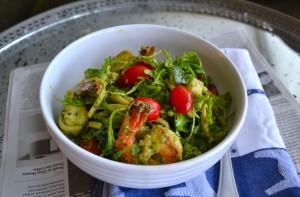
67,69
144,110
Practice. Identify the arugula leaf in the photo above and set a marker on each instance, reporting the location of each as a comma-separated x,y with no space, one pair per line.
221,104
120,61
168,61
157,92
135,87
105,69
147,59
101,73
182,123
76,102
119,153
186,67
190,151
192,60
158,75
90,133
135,149
210,103
110,132
193,127
116,91
71,101
216,128
220,109
91,72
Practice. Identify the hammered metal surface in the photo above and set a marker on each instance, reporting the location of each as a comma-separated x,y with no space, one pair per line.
39,39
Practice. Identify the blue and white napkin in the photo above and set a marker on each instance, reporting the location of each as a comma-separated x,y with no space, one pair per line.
261,164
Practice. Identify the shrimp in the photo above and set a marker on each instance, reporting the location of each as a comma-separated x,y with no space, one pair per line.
161,145
158,144
135,116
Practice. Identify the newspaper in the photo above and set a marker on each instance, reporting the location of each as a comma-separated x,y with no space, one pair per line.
32,164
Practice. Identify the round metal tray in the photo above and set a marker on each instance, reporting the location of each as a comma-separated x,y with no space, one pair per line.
41,37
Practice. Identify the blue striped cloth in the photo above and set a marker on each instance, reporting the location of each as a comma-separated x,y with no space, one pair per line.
261,164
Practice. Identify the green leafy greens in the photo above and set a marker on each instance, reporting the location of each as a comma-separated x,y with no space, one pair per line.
103,103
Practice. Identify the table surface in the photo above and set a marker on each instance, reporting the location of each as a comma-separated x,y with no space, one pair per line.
40,38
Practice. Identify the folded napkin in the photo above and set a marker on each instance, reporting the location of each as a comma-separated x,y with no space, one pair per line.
261,165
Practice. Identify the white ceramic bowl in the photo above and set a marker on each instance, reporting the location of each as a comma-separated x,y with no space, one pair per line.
67,68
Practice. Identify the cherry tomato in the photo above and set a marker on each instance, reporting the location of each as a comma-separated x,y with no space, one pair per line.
155,107
91,145
213,89
132,74
181,99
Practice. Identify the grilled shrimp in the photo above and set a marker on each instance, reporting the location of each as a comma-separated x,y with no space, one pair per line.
161,145
133,120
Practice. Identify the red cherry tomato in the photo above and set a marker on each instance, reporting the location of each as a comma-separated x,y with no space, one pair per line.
181,99
132,74
155,108
213,89
91,145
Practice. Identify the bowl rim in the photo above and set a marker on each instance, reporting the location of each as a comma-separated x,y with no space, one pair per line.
55,131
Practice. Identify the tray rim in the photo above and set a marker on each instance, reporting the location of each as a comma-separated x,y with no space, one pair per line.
287,27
